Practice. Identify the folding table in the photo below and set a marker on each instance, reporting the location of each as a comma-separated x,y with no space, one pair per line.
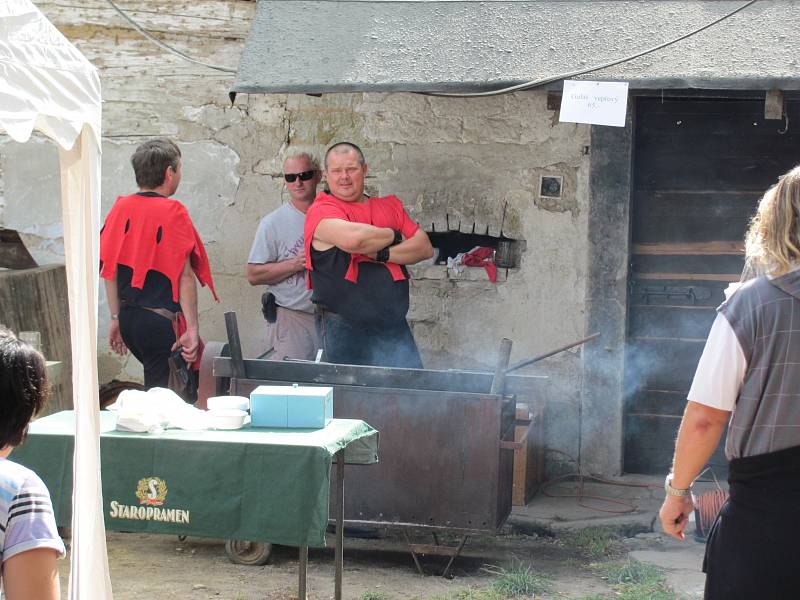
270,485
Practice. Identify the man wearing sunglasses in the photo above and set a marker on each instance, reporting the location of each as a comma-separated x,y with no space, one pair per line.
277,259
356,251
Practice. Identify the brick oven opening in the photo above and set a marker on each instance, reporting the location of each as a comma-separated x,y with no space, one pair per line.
451,243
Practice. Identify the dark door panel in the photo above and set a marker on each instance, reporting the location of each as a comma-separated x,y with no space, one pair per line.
687,322
662,363
682,216
652,441
700,167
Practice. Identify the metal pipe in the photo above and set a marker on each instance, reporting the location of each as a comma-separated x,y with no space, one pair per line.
339,499
234,344
301,586
499,378
530,361
446,571
413,553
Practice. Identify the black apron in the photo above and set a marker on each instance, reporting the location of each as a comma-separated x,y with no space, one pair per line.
754,544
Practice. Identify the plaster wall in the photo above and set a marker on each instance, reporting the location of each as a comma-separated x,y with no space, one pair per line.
472,165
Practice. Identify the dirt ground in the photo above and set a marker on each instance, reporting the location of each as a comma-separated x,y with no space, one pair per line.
165,568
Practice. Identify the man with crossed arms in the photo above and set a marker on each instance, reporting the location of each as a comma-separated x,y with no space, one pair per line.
357,248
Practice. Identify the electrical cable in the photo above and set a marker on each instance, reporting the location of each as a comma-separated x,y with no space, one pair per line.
164,45
579,494
540,82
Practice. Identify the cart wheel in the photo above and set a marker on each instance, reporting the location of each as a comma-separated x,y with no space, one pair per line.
243,552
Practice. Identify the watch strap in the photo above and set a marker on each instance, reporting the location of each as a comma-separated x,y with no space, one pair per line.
672,491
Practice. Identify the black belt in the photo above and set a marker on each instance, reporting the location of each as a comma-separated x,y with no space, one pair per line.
166,313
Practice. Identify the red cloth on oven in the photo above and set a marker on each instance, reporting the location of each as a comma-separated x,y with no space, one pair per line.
482,257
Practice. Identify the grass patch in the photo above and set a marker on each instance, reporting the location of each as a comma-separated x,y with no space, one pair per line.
636,581
594,541
630,571
374,596
518,581
470,594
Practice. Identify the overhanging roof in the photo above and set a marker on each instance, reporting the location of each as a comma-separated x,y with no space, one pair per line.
306,46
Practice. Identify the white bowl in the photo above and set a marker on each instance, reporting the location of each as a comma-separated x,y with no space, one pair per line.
228,402
226,418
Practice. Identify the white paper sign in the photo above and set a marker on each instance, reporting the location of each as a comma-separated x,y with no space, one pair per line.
594,102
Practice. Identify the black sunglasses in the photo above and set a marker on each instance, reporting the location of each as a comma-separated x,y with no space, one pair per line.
304,176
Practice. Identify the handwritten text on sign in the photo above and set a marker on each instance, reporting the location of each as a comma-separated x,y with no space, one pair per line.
594,102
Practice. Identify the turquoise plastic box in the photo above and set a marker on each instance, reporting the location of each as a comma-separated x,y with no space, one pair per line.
291,406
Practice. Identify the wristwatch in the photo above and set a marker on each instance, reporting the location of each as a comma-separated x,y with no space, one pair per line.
115,317
671,491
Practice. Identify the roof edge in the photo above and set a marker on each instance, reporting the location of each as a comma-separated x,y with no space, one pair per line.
710,83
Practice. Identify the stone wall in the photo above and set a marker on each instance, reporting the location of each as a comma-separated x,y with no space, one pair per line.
472,165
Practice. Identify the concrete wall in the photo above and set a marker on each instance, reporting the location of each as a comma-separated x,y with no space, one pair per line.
456,163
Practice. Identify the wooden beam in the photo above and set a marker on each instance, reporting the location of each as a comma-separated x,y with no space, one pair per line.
699,248
434,549
730,277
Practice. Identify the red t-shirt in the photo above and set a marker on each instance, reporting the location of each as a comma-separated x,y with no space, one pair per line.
386,211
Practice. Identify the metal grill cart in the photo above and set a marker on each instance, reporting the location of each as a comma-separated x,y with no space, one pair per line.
447,440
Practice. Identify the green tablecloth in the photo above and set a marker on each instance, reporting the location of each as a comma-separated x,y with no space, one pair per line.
257,484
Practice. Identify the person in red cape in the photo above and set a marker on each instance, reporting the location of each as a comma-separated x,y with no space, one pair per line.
356,251
150,258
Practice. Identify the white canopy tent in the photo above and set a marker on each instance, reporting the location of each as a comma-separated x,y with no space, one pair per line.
47,85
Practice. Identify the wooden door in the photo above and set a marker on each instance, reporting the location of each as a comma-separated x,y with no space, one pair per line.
700,167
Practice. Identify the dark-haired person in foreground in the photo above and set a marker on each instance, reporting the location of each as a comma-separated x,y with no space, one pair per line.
151,256
29,542
749,373
356,251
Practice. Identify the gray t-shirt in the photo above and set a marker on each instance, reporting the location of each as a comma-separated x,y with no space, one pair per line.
280,236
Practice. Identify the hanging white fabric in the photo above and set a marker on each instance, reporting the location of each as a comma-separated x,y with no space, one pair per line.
47,85
80,193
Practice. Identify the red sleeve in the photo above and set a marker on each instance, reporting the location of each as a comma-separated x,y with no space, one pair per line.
319,210
408,227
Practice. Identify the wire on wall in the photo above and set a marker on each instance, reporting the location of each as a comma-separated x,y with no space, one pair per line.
163,45
540,82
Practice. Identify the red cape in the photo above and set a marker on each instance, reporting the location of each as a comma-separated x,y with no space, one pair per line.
152,233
